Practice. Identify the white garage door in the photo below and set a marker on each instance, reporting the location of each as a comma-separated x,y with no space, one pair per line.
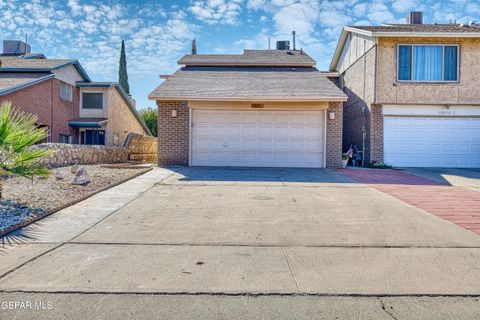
432,142
258,138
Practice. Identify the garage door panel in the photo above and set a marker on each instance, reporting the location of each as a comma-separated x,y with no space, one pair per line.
314,118
280,132
296,132
233,131
432,141
258,138
265,144
264,132
314,132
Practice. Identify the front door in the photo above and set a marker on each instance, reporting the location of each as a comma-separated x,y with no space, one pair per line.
93,137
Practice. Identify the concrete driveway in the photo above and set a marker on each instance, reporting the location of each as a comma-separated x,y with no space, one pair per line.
244,243
463,178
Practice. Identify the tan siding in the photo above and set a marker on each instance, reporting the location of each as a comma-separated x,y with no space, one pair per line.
355,47
121,120
466,91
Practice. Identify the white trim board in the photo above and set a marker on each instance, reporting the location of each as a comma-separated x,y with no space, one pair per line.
431,110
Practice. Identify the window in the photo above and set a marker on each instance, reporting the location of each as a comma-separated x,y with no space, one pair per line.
64,138
427,63
92,100
66,91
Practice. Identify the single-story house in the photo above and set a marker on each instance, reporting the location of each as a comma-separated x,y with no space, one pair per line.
262,108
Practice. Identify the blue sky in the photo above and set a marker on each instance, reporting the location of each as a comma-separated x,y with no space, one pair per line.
158,33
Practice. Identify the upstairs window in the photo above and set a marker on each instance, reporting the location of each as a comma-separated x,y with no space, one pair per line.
66,91
427,63
92,100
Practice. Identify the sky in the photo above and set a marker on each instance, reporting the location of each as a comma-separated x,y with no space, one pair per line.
158,33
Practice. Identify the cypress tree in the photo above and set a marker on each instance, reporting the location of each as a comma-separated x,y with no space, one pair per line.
122,71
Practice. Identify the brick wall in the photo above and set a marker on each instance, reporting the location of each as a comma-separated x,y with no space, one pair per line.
64,111
376,133
334,135
43,100
173,133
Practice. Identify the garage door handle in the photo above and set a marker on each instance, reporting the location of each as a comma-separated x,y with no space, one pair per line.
225,145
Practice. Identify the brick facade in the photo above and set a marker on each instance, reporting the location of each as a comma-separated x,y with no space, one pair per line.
334,135
43,100
173,133
376,133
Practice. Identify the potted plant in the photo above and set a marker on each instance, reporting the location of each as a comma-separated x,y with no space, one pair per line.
344,160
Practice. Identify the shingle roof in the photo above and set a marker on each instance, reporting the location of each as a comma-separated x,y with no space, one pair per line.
259,84
288,58
21,63
429,28
14,81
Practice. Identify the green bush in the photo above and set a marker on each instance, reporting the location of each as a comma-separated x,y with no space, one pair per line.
149,116
379,165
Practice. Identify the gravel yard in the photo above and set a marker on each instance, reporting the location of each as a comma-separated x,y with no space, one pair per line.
25,198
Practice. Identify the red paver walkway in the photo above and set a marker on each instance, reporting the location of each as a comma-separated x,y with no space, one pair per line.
457,205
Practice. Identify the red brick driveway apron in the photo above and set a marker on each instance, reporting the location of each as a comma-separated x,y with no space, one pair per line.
455,204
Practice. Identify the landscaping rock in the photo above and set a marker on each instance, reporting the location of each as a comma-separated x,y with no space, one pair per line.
59,175
81,177
74,169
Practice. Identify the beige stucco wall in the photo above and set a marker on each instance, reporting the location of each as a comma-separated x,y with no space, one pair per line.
465,91
121,120
266,105
94,113
68,74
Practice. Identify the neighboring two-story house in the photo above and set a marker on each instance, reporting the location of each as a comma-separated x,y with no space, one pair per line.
413,95
60,93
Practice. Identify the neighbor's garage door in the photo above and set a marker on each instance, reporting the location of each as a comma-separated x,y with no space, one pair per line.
432,142
258,138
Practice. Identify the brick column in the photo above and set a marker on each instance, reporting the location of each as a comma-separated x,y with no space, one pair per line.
173,133
376,133
334,135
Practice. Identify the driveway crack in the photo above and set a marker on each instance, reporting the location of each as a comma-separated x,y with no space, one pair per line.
291,269
384,308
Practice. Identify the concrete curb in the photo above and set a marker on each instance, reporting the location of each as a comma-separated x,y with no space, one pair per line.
29,221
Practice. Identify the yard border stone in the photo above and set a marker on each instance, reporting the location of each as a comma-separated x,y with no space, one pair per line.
29,221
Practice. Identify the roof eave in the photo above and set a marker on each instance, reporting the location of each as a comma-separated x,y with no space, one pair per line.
229,64
339,48
263,99
428,34
25,85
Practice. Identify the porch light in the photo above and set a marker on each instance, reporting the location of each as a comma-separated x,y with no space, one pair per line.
331,115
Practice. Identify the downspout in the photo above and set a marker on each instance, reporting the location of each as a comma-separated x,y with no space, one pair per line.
364,111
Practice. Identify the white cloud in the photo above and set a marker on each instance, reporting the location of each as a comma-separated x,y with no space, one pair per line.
217,11
404,5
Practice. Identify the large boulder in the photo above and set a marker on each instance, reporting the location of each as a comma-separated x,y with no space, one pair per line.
81,177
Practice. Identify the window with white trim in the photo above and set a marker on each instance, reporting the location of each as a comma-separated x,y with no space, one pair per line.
427,63
66,91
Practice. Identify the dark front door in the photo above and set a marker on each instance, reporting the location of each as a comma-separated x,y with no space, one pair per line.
93,137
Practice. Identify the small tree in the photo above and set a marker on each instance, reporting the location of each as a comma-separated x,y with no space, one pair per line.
18,132
149,116
122,70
